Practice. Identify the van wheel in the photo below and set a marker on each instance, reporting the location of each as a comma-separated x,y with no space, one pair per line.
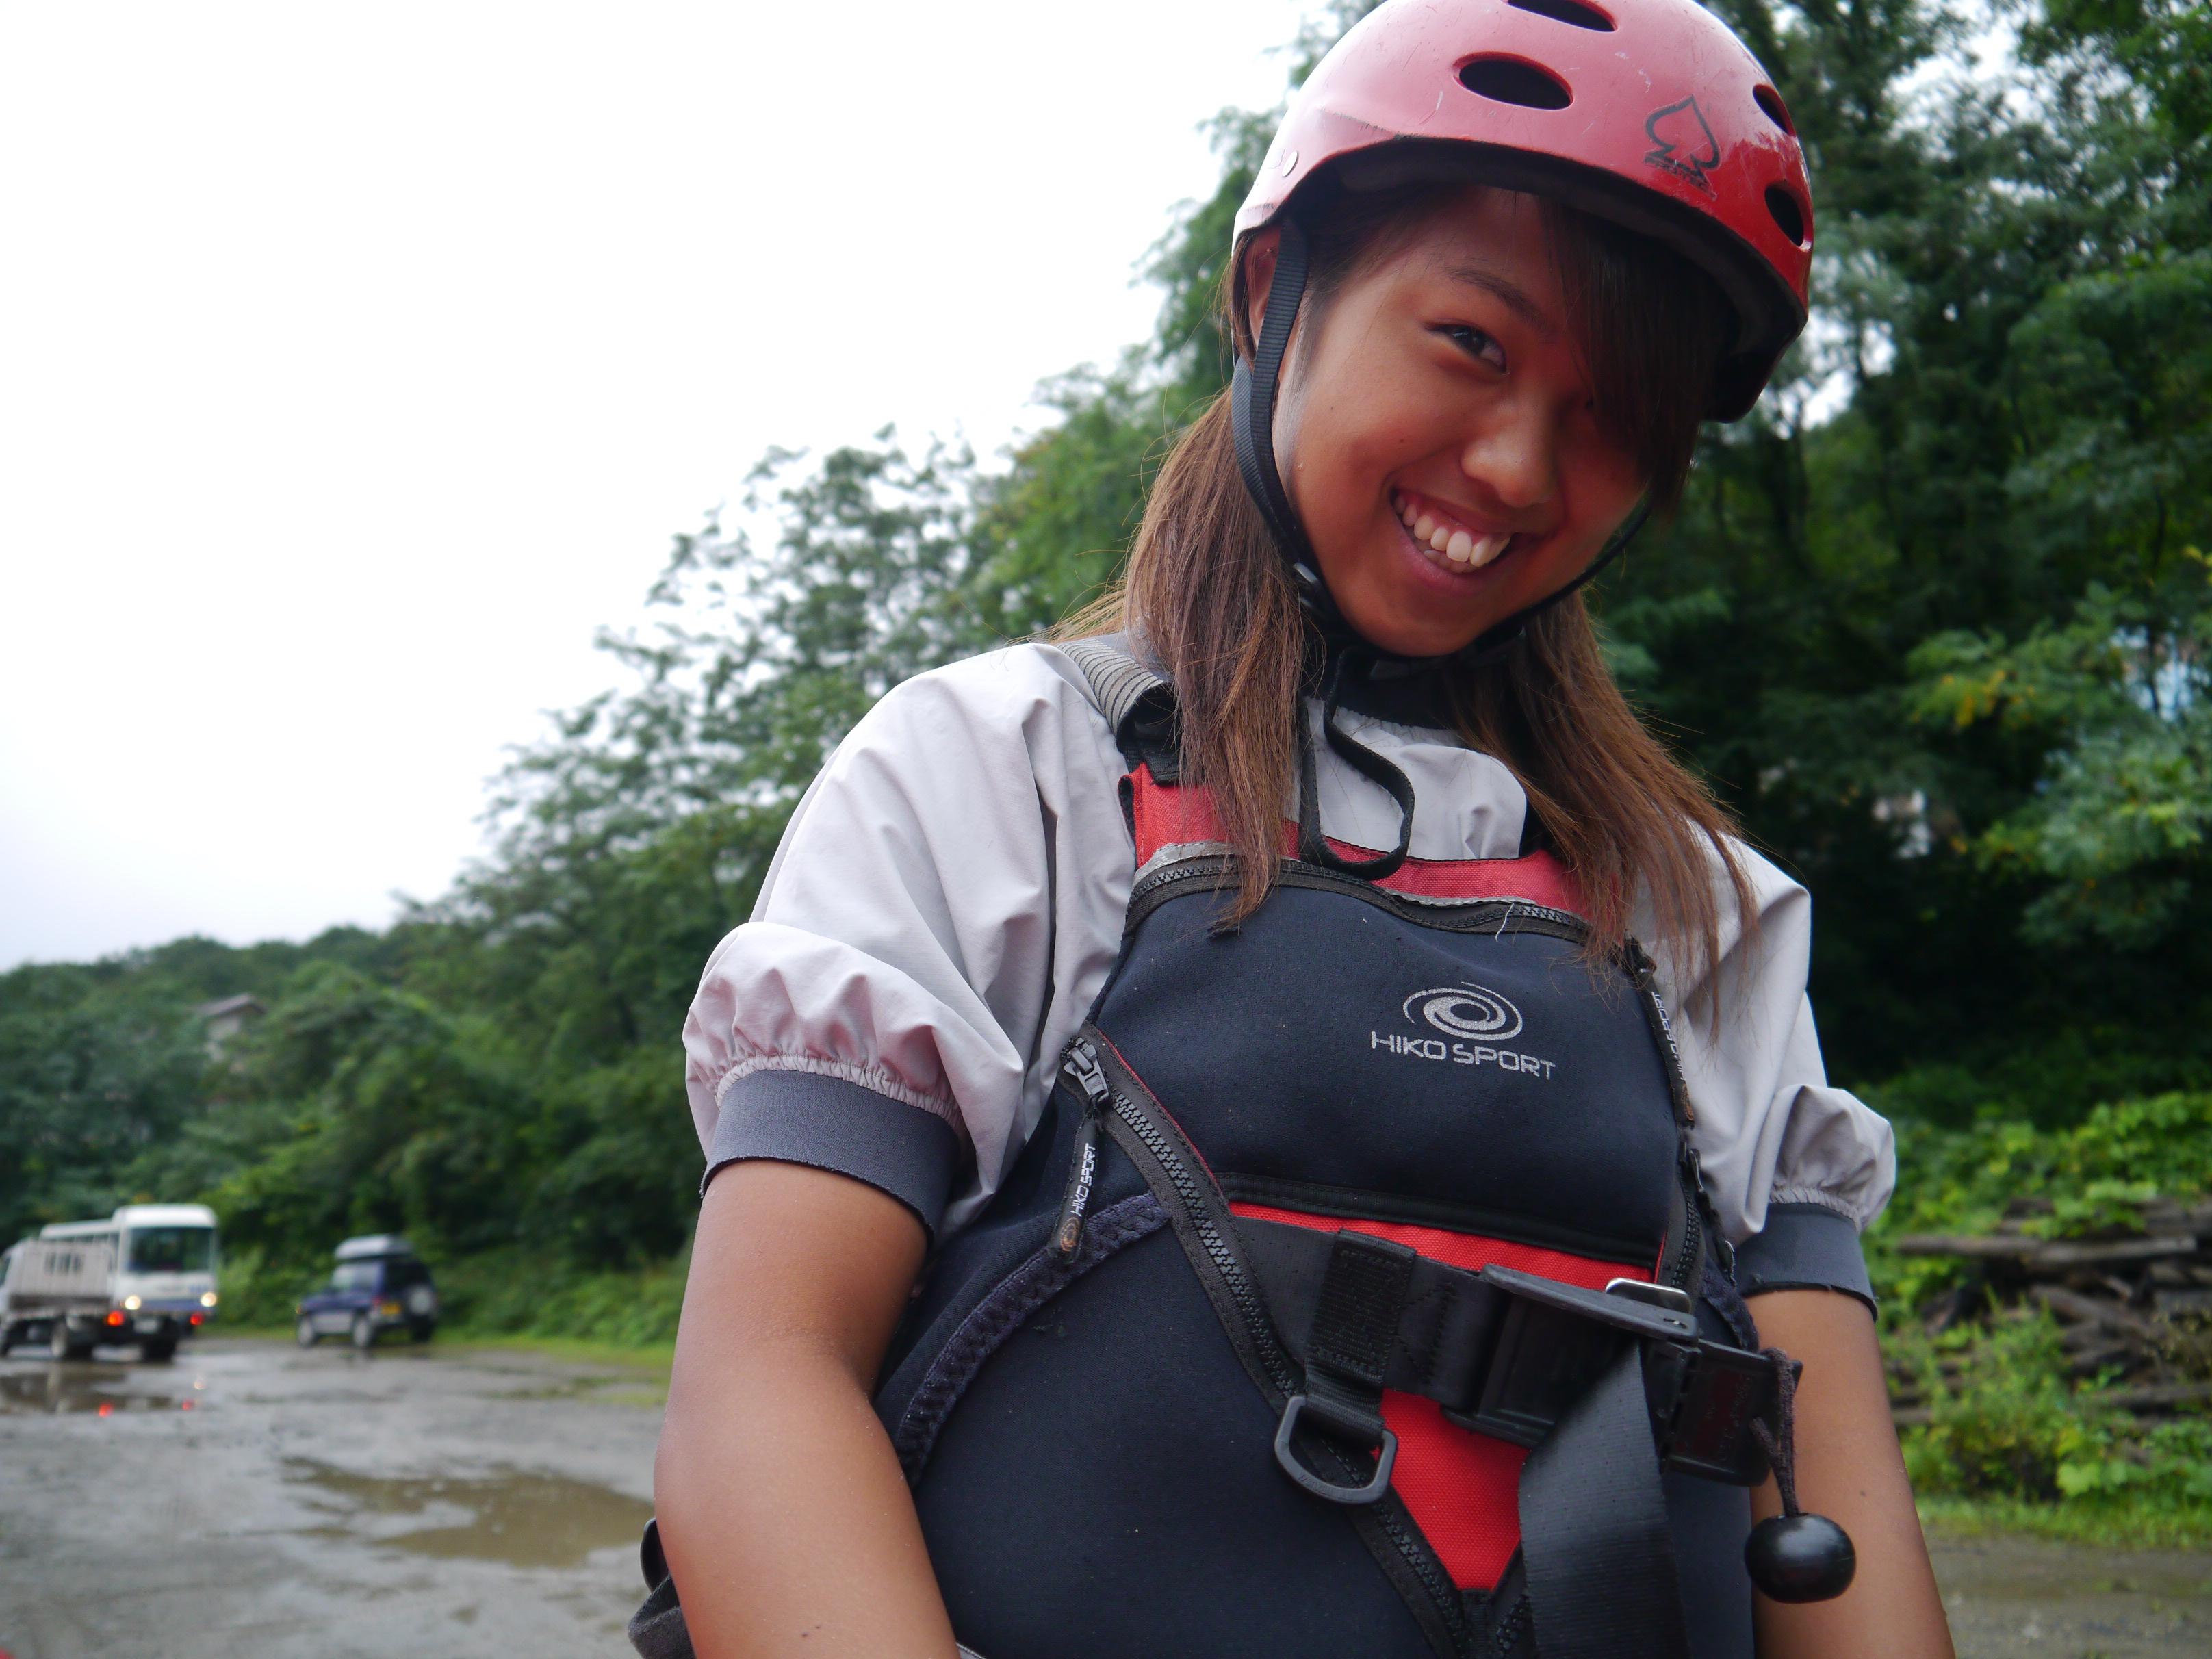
364,1332
305,1332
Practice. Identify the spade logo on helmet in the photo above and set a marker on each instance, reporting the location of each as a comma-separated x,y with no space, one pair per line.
1682,143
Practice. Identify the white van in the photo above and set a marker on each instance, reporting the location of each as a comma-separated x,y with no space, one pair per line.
145,1275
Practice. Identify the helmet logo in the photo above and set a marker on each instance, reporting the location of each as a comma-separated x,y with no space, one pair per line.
1683,144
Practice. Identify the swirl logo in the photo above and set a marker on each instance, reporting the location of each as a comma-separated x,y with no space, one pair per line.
1465,1011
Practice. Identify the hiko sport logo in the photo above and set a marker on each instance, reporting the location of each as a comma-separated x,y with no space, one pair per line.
1466,1011
1480,1017
1682,143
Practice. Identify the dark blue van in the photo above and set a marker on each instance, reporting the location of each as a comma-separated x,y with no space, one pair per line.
379,1285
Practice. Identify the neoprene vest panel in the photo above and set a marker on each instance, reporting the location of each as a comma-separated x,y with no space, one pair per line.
1128,1395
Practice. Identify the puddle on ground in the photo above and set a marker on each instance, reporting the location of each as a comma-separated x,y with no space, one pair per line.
520,1519
69,1387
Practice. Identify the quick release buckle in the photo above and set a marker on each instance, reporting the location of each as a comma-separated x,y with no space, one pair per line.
1557,1339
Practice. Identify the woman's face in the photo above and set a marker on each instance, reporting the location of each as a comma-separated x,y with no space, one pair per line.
1436,431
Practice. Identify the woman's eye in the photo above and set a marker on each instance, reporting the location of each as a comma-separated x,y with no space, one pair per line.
1475,344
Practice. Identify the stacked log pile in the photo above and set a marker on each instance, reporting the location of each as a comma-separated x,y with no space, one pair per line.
2134,1307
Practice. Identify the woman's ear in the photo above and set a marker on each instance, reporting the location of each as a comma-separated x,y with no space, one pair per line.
1259,269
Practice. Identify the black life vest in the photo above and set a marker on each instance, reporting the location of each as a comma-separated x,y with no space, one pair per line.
1088,1394
1237,1361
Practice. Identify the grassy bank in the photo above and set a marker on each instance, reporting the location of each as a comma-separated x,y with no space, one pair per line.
2017,1436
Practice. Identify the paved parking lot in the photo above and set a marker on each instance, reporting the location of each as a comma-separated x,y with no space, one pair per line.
254,1499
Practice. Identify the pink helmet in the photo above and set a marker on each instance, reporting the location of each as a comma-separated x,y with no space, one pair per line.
1650,113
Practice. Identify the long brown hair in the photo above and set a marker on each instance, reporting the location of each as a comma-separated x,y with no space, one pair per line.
1207,590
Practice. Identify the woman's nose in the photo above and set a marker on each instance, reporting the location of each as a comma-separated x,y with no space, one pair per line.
1515,460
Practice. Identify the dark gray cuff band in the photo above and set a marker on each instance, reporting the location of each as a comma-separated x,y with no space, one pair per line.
1804,1247
805,1117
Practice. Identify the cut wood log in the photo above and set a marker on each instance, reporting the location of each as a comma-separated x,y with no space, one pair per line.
2094,1310
2041,1255
2159,1397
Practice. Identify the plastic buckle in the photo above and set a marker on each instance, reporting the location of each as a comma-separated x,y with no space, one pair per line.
1293,1408
1704,1400
1554,1342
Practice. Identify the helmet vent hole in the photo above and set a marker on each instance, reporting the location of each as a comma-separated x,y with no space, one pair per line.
1510,81
1787,213
1768,99
1566,11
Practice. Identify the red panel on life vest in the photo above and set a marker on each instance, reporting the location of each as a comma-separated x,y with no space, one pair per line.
1462,1489
1167,816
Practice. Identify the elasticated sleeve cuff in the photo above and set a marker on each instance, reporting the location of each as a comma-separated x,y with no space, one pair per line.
1804,1247
805,1117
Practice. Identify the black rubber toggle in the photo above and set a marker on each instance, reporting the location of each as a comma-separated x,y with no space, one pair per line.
1794,1556
1800,1558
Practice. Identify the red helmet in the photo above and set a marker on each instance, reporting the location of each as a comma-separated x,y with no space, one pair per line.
1650,113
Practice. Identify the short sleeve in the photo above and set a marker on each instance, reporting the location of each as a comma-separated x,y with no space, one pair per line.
892,1008
1796,1166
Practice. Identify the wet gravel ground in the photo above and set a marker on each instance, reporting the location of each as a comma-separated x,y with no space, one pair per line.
253,1499
2010,1596
443,1502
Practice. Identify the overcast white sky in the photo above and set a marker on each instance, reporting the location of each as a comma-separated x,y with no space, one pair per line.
355,362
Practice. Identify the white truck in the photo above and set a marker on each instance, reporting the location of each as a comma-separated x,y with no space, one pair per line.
145,1275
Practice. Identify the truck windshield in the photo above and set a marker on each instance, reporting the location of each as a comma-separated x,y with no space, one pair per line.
172,1249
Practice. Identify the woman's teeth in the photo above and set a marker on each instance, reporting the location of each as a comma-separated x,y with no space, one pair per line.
1456,545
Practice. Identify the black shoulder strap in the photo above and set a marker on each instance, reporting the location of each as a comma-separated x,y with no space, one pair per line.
1138,702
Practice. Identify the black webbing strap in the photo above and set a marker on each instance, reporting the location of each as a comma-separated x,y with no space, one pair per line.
1445,1326
1313,846
1359,1298
1594,1537
1508,1353
1252,414
1355,1327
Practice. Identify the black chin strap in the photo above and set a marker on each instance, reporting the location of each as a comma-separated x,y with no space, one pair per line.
1313,846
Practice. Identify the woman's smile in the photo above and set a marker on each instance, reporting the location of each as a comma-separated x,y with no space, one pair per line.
1449,538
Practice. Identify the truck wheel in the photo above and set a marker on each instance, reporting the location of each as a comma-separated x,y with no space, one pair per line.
159,1350
305,1331
364,1332
63,1343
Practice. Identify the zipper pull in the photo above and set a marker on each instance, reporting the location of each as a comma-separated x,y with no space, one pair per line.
1081,1065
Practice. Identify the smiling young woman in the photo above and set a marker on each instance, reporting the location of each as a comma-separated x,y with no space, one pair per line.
1199,1162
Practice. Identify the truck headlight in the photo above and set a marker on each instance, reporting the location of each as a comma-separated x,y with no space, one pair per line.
207,1299
130,1304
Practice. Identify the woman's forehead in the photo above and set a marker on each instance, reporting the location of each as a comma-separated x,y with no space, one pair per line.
1496,242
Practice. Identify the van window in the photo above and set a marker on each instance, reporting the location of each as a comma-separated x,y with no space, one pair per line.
172,1249
355,1276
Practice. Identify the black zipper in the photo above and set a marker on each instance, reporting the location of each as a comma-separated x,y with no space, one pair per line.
1081,1065
1082,1062
1684,1267
1508,1633
1191,1196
